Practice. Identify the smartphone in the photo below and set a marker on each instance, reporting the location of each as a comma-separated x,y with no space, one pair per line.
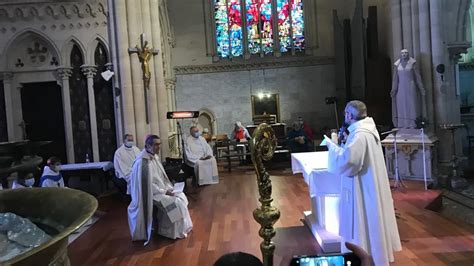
346,259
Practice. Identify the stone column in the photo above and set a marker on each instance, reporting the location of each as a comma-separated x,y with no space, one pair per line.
134,24
64,73
148,24
415,25
7,90
89,72
439,86
123,68
161,94
407,26
396,28
425,63
170,89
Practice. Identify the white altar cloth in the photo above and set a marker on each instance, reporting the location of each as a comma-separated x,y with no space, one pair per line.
313,166
105,166
324,191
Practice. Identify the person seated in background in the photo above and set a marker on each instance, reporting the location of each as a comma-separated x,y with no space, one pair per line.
306,128
297,139
51,176
200,159
23,180
240,133
123,162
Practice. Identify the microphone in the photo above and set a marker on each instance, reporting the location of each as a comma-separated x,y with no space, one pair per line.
340,135
389,132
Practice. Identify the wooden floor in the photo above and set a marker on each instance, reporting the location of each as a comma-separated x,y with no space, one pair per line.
222,217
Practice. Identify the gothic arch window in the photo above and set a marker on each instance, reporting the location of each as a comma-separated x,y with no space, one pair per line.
81,129
104,106
242,28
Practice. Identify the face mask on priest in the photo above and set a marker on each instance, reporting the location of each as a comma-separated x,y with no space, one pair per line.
196,134
129,143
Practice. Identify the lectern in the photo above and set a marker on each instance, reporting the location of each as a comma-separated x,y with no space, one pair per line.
324,191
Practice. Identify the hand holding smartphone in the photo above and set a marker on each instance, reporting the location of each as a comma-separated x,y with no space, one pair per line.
347,259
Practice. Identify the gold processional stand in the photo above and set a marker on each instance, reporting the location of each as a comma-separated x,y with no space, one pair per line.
262,146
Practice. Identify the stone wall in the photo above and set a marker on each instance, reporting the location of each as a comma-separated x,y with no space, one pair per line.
228,94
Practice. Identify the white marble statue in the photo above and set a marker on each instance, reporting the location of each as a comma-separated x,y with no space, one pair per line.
407,92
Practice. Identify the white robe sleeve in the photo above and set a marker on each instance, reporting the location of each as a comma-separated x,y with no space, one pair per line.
348,160
190,156
118,170
157,190
208,148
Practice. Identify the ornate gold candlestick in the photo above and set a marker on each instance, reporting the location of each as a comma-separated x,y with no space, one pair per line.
262,146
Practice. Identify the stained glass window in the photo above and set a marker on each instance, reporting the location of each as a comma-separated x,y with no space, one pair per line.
297,24
255,20
222,28
253,32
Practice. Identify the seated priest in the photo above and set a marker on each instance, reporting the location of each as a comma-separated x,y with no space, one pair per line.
123,161
199,157
150,186
297,139
51,176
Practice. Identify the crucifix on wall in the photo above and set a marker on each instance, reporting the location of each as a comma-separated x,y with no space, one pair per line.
144,55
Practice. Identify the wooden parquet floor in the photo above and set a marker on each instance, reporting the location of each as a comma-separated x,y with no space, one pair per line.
223,222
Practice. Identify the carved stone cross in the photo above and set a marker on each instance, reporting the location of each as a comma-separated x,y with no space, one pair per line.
144,55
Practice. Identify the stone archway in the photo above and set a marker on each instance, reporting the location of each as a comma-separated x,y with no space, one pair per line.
29,57
207,119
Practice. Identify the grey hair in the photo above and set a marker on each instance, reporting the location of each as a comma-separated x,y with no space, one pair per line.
357,108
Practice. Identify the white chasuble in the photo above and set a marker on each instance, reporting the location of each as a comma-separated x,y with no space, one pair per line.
367,215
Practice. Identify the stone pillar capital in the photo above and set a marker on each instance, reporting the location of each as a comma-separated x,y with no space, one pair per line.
455,49
89,71
6,76
64,73
170,83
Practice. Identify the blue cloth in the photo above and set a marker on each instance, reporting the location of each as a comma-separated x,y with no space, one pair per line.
54,178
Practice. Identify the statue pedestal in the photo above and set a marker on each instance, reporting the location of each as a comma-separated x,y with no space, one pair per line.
410,154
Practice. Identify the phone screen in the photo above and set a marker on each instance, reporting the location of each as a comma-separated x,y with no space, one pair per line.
334,260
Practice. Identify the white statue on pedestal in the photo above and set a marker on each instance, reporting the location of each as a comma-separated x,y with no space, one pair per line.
407,93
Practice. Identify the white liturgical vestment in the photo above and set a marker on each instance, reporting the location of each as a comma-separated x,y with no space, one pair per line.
367,215
123,161
148,186
205,170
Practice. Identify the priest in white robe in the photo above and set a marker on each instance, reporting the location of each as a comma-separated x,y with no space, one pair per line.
199,156
123,160
367,212
150,186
